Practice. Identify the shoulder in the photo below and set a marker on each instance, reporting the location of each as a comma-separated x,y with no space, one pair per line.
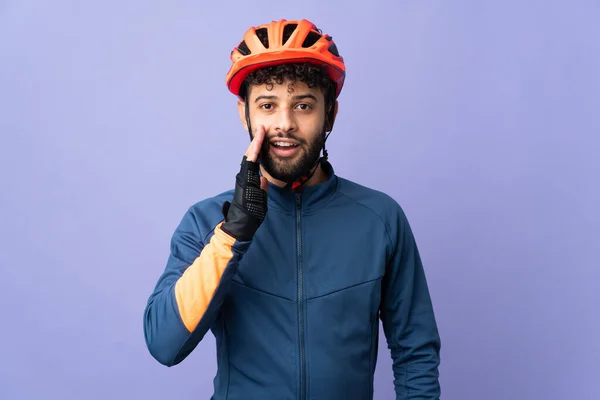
202,217
387,209
211,204
378,201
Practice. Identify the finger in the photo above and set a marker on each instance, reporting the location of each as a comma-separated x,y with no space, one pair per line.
264,184
258,141
256,144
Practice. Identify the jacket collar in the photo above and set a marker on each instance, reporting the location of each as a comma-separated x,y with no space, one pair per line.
282,198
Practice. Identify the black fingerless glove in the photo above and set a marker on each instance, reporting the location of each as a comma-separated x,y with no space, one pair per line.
247,211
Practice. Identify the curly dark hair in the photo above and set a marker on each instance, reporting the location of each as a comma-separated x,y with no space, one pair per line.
310,74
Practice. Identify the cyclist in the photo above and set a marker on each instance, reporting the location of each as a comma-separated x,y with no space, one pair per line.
292,269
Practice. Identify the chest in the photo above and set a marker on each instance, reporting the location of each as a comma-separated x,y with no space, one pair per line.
317,253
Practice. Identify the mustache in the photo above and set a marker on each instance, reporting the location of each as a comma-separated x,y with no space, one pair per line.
268,138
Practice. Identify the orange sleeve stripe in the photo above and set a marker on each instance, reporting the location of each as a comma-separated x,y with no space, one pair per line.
195,288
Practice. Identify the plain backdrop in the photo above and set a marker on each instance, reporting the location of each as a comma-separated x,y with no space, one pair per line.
480,118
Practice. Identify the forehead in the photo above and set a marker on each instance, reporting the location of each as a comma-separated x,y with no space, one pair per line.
284,90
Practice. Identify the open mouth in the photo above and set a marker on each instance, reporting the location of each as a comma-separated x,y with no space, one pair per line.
284,149
284,145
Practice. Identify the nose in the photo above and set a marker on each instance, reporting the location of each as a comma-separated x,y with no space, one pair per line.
286,122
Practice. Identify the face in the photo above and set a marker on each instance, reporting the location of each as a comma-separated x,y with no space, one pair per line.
293,116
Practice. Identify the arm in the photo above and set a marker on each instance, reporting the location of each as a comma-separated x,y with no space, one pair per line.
186,300
188,296
408,320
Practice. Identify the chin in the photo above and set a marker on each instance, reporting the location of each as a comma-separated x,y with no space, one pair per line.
290,168
282,170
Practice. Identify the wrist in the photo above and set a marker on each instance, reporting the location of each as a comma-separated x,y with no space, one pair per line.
239,222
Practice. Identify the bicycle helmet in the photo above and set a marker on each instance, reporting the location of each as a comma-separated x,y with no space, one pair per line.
284,42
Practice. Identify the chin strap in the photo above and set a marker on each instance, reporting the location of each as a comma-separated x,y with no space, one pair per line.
300,182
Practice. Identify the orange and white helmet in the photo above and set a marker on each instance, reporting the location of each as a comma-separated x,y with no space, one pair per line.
286,42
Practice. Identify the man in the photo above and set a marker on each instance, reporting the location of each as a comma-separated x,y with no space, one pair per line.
293,268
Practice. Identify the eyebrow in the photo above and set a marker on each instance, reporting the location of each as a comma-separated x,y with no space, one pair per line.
297,97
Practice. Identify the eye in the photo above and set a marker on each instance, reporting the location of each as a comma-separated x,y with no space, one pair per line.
304,106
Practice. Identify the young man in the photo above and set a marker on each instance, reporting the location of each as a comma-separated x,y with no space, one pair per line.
293,268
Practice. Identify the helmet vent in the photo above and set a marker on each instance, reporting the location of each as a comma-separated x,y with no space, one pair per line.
243,48
333,49
287,32
263,36
311,39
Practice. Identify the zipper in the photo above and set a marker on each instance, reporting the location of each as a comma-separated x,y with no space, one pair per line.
300,297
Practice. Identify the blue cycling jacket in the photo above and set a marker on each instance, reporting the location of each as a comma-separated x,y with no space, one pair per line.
295,311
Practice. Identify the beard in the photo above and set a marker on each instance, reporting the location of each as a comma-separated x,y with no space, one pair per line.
290,170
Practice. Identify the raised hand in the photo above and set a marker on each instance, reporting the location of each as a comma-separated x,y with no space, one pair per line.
244,214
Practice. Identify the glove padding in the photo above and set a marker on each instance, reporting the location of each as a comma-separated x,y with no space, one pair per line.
248,209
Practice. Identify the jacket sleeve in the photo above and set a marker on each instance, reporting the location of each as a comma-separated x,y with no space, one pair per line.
408,319
187,297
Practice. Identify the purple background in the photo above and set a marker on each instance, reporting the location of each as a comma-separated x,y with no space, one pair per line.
482,120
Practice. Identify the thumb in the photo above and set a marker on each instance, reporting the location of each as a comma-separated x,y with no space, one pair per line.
264,184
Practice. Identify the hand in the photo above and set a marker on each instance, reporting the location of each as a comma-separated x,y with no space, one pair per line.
253,152
248,208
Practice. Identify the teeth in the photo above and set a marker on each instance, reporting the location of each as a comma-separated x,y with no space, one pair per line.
284,144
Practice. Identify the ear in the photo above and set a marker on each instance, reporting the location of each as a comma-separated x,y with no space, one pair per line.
242,113
335,111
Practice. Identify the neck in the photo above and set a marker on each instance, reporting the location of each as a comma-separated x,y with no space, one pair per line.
318,177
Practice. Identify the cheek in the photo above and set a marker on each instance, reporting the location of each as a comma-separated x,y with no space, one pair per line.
311,127
258,120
